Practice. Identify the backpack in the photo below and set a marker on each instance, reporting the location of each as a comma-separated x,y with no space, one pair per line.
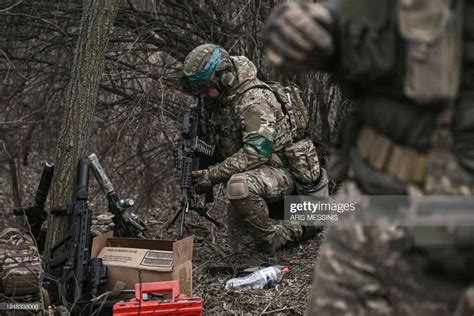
292,106
20,264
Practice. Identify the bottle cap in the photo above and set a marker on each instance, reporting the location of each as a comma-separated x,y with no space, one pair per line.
286,270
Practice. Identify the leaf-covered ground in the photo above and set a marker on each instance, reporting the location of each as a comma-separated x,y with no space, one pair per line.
211,249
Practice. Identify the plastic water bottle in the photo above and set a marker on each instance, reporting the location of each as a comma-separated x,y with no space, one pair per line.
260,279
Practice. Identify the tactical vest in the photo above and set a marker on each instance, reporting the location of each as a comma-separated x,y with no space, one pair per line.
224,123
300,156
420,55
404,60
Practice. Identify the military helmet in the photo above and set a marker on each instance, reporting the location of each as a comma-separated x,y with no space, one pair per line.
205,66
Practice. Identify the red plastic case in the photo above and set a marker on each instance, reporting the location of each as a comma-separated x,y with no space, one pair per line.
179,304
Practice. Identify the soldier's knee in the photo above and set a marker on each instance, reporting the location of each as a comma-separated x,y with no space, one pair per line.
237,187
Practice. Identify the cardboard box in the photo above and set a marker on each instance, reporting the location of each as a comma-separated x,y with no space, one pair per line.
133,260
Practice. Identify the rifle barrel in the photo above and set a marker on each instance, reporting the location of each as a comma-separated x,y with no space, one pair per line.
100,175
44,184
82,180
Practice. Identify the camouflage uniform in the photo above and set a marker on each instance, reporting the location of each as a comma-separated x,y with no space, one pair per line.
243,119
412,133
257,131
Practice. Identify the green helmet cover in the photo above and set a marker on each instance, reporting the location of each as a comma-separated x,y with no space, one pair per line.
202,64
208,69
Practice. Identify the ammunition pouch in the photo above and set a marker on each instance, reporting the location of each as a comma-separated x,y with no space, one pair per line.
432,30
372,181
303,161
383,155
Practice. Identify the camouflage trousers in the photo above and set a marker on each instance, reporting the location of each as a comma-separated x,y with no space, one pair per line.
377,270
248,213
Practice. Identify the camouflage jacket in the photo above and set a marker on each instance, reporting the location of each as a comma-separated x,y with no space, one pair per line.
248,125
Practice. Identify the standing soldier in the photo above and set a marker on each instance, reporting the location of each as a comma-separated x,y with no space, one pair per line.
242,116
409,64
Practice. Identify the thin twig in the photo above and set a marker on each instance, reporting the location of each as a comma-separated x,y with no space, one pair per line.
282,309
12,6
274,299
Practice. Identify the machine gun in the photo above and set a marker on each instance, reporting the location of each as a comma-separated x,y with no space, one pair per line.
34,211
192,149
126,225
77,274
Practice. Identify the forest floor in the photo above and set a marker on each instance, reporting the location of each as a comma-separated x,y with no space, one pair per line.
287,298
211,249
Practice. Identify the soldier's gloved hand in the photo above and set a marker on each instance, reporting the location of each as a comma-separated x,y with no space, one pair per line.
202,180
297,36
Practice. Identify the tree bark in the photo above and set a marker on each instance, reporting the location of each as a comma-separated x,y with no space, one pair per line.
96,26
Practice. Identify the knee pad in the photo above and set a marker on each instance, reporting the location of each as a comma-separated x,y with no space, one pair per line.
237,187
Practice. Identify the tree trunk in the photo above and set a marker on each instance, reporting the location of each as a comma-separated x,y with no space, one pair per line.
96,26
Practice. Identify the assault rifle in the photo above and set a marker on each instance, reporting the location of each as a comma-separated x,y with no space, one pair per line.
126,225
34,211
77,275
192,149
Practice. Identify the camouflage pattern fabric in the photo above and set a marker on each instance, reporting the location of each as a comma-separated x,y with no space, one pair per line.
242,120
265,184
242,116
374,49
381,270
20,264
102,224
367,271
373,271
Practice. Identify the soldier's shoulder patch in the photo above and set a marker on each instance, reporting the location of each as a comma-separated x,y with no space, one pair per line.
251,120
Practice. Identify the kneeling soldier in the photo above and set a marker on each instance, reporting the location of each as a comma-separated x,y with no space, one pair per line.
243,118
